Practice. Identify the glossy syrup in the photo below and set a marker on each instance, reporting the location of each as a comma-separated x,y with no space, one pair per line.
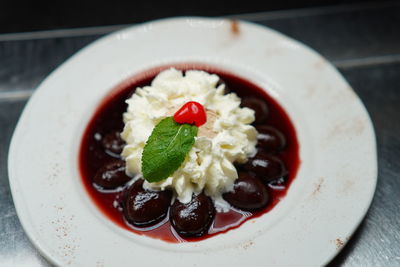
108,118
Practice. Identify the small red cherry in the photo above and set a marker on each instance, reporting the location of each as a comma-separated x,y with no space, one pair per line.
192,113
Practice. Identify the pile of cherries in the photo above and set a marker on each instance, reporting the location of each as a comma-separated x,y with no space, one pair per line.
143,208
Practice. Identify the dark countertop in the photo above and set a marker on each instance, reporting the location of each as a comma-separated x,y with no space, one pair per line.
362,41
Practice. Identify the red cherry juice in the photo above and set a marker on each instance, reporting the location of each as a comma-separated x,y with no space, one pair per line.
108,118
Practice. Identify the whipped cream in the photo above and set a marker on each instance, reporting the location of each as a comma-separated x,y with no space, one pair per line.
227,136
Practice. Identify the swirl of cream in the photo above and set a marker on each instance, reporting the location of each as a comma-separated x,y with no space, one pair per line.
226,138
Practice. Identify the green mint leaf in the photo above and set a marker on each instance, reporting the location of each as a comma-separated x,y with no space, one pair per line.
166,149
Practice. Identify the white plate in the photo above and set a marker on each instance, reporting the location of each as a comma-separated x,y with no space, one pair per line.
324,205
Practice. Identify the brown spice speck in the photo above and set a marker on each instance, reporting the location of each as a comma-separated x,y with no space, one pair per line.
318,65
339,243
317,187
248,244
355,126
311,91
235,27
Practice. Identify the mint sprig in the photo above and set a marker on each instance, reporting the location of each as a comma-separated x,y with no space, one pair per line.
166,149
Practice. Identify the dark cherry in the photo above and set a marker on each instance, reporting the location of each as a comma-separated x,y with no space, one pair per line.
266,167
278,184
270,139
193,218
111,175
259,106
143,207
112,142
248,193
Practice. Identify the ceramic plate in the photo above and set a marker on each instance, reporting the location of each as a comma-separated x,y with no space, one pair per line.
323,207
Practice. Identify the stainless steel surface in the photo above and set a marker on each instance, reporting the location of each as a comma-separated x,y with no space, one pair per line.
362,41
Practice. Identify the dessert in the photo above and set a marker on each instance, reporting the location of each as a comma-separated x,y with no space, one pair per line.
204,152
225,138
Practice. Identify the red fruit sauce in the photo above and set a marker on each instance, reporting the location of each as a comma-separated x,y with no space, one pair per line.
108,118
